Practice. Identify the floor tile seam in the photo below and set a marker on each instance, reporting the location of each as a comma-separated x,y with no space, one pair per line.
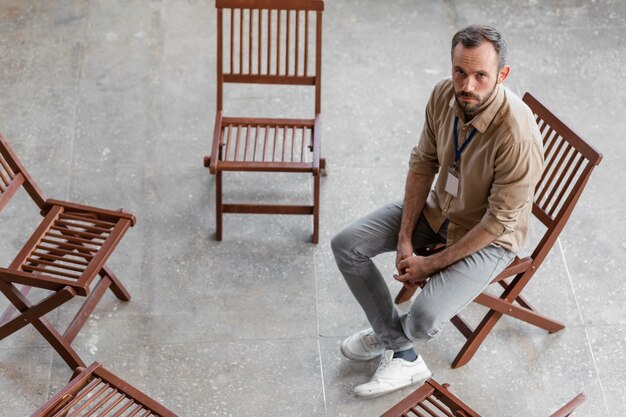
72,151
317,332
595,366
322,381
588,340
210,341
571,282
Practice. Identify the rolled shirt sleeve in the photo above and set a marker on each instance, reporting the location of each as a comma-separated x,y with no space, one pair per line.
516,171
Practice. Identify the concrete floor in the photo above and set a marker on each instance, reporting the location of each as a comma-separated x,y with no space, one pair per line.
111,103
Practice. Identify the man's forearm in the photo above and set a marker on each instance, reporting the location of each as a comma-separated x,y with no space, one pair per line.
476,239
415,193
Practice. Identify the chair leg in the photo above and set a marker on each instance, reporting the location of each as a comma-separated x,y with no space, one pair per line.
86,309
218,206
476,339
63,347
316,208
116,285
34,315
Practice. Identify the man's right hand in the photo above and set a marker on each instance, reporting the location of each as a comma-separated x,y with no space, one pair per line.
404,250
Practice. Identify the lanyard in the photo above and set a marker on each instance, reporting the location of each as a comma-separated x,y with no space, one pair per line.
458,151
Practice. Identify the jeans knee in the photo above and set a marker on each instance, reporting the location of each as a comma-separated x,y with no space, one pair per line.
422,326
340,245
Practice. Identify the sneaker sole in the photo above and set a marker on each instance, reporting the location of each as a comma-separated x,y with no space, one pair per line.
345,352
373,394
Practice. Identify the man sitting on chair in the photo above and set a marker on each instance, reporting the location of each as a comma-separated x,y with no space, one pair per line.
486,146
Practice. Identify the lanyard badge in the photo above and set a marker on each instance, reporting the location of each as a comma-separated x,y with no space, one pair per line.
454,179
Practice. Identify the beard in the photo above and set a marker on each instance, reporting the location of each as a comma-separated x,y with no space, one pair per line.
471,109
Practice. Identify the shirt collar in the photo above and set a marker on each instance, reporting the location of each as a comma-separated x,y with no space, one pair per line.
482,121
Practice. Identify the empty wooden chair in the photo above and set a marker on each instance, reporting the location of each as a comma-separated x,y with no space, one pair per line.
96,392
435,400
63,256
268,42
569,162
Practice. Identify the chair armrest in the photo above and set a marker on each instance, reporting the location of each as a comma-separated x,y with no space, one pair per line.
516,267
215,150
115,214
317,136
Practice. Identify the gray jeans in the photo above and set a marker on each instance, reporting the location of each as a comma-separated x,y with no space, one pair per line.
444,295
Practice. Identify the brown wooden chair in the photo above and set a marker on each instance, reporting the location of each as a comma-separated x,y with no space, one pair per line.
268,42
96,392
569,161
63,256
435,400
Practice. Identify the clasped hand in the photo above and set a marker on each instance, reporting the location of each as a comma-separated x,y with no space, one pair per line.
411,268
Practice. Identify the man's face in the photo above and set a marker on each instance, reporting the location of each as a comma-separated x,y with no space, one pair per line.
475,75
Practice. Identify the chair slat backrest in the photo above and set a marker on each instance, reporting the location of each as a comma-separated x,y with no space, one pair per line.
269,42
568,164
96,392
431,400
13,176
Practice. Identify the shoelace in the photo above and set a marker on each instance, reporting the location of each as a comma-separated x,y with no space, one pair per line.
385,363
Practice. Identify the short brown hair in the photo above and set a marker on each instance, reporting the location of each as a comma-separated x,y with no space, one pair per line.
473,35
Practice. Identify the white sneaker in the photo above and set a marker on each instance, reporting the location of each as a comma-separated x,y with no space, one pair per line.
393,374
362,346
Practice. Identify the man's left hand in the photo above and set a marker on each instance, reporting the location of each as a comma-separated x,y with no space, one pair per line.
414,269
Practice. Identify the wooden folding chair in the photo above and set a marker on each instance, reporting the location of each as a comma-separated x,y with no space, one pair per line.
435,400
268,42
569,161
64,255
96,392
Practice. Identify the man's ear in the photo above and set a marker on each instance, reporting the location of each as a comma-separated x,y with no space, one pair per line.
503,73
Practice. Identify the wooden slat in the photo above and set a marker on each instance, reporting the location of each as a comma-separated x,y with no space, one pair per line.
557,173
11,174
34,261
10,191
317,5
306,44
250,41
267,209
30,268
269,79
50,257
232,42
287,39
60,251
237,142
228,140
65,231
256,142
265,139
98,213
64,245
550,172
259,40
278,26
269,41
245,149
96,222
284,145
297,43
240,42
566,188
227,121
445,410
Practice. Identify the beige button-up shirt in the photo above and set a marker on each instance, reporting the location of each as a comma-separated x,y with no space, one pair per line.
498,169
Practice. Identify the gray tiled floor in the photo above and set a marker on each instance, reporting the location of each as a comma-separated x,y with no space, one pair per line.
110,103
